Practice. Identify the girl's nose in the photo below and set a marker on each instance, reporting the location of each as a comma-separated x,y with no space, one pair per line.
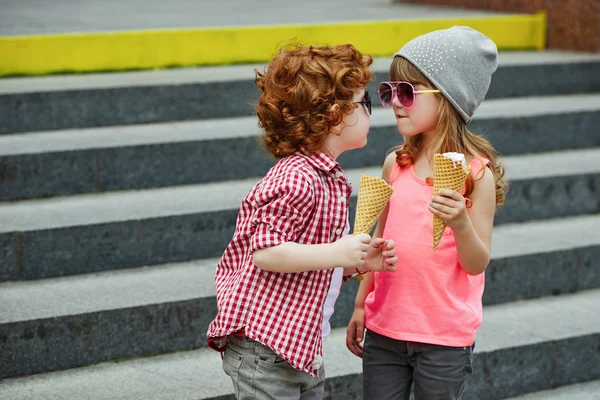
396,102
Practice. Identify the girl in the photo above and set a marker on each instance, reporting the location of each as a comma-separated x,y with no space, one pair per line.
273,278
421,321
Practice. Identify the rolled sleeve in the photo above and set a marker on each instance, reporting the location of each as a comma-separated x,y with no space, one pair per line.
284,205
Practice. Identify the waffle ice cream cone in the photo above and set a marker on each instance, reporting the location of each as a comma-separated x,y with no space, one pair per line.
373,195
450,171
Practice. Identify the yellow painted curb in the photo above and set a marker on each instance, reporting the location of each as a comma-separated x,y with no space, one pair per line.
116,51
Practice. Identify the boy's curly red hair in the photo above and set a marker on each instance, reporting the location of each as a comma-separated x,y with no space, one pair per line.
298,89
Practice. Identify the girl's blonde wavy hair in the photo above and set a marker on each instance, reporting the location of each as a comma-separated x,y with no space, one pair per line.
454,135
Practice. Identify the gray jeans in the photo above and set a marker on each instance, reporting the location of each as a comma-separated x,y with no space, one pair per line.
258,373
391,366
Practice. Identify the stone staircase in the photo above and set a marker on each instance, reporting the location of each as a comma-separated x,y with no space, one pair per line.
118,193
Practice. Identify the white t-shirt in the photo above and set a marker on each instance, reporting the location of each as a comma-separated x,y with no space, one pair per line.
332,294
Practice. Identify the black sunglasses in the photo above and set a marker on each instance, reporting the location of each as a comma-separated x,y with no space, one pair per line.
365,102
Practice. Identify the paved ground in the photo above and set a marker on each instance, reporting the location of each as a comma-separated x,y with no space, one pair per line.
29,17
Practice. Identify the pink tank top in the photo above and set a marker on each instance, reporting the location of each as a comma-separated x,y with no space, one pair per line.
430,298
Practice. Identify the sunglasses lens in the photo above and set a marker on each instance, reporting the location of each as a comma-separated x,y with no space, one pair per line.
368,101
385,94
405,94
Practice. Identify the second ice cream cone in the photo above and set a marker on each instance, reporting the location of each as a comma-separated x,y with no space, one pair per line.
373,195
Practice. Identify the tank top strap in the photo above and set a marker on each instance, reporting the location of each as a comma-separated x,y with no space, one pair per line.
477,166
395,173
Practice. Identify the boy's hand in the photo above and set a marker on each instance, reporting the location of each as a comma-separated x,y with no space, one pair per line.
450,206
355,332
381,256
351,250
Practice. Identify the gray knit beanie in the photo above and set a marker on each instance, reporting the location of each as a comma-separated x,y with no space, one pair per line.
459,61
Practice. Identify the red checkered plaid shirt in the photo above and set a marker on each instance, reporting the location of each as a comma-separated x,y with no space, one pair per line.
302,199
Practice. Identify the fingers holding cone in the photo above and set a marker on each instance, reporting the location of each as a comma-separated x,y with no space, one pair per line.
449,172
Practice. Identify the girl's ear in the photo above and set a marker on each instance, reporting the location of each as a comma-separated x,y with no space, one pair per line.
337,129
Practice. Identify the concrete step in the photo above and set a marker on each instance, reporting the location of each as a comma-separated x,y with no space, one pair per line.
43,164
80,101
80,320
90,233
522,347
92,17
120,230
580,391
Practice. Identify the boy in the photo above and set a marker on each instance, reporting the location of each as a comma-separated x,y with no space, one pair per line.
273,278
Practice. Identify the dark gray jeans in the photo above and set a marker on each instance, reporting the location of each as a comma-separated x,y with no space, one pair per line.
258,373
391,366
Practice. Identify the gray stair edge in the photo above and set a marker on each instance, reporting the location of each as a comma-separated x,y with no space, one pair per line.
580,391
243,127
237,72
110,290
87,209
510,240
129,288
515,328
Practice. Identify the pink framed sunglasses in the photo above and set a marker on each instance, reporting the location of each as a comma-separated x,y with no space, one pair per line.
403,90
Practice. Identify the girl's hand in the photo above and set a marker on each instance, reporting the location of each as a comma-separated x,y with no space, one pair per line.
450,206
381,256
356,332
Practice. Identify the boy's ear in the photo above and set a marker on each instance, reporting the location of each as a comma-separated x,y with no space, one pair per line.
337,129
334,108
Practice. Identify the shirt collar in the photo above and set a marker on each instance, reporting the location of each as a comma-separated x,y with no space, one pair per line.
321,161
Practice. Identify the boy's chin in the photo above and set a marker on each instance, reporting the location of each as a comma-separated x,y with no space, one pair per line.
359,145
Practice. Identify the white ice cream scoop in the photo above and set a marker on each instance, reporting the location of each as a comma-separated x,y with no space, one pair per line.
457,158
